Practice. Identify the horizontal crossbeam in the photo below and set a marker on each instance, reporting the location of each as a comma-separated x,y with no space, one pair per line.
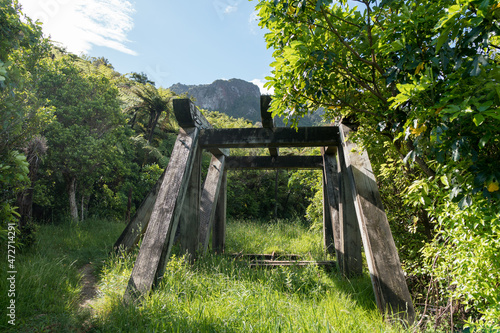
269,138
279,162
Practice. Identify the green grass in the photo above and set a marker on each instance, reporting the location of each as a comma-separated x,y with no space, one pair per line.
48,278
276,236
215,294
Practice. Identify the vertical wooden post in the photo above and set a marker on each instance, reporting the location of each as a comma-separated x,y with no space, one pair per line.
330,228
157,243
388,280
209,199
189,223
139,222
350,237
219,231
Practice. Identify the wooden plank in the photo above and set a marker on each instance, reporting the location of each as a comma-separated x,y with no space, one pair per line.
345,225
278,263
189,116
219,229
139,222
280,162
157,243
328,225
189,222
265,137
267,119
209,198
350,239
272,256
388,280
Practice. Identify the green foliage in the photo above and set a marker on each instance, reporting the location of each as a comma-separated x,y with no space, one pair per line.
463,257
84,138
222,120
21,115
153,103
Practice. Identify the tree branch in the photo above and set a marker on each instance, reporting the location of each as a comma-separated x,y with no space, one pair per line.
349,47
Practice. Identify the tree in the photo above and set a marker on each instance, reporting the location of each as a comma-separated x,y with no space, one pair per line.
83,137
22,115
155,103
421,80
141,78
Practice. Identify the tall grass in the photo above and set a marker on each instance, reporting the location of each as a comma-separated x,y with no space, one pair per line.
284,236
48,279
217,293
222,294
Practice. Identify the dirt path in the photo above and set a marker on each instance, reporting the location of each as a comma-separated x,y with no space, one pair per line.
89,290
88,293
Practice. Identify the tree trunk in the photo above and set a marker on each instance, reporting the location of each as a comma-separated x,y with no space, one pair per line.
72,198
153,126
36,148
129,205
276,194
82,211
24,203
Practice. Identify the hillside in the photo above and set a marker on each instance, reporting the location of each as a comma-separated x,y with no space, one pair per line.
236,98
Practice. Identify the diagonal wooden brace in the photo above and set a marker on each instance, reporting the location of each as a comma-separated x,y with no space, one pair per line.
331,219
388,280
158,239
209,199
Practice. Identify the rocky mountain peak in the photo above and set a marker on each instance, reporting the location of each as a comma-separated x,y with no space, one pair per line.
235,97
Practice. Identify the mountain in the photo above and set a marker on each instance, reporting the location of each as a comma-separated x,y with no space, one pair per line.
236,98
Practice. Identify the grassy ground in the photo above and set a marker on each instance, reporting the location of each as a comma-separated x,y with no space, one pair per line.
215,294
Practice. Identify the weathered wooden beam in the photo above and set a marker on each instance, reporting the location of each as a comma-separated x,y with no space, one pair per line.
189,116
268,162
158,239
350,236
265,137
219,229
189,222
139,222
278,263
267,119
209,199
388,280
331,221
345,224
272,256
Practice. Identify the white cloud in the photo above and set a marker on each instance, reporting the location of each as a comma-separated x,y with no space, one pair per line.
225,7
253,22
230,9
260,83
80,24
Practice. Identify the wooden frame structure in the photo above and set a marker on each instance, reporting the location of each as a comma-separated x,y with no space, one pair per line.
354,216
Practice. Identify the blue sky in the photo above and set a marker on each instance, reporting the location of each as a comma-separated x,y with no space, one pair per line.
191,42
